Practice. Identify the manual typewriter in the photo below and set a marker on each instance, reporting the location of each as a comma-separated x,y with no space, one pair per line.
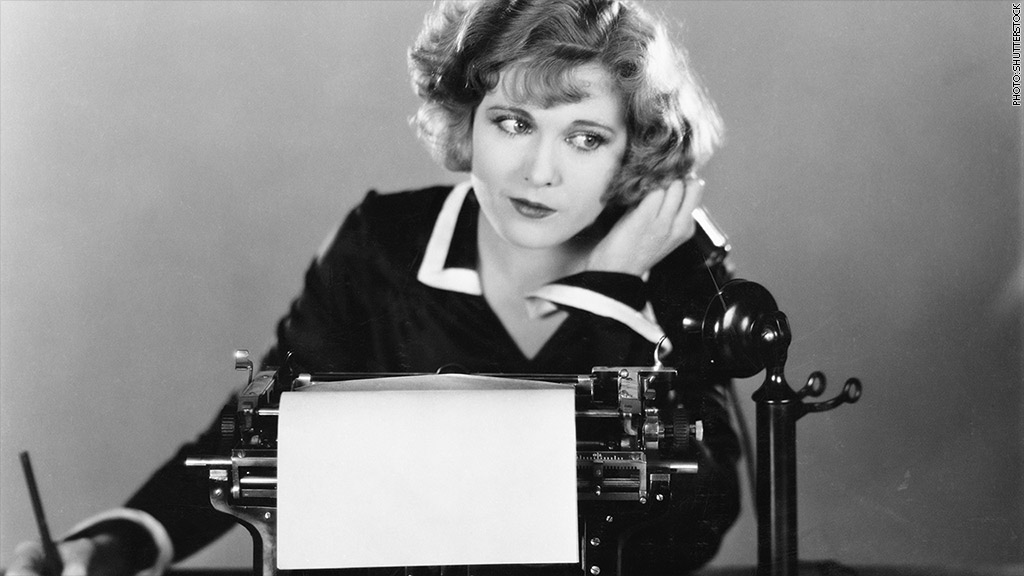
634,439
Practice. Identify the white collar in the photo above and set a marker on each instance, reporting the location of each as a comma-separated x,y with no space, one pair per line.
541,302
432,271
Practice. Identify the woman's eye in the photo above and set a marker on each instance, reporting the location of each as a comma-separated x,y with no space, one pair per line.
512,125
586,141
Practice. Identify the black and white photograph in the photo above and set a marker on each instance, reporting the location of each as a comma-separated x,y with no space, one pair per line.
511,287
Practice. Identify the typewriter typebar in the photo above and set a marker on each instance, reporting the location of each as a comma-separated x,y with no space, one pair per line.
634,442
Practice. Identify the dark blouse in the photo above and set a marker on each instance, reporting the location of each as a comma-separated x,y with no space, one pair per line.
395,290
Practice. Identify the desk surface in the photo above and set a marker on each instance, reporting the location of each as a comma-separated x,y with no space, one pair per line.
806,569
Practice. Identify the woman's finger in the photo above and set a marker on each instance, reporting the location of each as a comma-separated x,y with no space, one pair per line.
27,561
77,555
650,204
674,196
692,199
641,216
694,194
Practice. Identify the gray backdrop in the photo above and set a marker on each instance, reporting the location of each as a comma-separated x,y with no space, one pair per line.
168,170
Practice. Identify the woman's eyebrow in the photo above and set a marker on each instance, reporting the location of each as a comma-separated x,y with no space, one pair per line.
509,108
595,124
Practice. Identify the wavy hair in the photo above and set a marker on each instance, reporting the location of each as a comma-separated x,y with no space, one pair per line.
464,47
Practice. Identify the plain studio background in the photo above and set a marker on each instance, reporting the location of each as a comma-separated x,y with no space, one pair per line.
169,169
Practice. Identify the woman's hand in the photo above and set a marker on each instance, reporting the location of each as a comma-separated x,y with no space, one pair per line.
659,224
100,555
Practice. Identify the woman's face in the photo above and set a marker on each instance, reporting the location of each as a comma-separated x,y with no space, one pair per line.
540,173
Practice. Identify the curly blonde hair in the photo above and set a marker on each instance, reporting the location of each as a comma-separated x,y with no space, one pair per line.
464,47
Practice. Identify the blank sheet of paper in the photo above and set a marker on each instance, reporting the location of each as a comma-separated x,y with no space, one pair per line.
427,470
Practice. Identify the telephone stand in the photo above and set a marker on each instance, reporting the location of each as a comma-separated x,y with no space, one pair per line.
748,333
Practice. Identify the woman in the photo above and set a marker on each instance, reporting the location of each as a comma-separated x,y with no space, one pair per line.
569,247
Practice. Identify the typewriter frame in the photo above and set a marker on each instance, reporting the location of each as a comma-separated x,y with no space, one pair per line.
633,441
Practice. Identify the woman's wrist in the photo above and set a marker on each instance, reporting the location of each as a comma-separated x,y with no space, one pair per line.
129,538
119,546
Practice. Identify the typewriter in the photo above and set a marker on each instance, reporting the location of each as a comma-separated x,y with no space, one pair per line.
634,440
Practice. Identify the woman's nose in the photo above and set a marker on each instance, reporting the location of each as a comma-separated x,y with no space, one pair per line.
542,165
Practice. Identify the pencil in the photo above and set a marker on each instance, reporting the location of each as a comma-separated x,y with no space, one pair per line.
51,557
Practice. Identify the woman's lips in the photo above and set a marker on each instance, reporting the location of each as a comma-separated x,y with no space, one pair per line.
532,210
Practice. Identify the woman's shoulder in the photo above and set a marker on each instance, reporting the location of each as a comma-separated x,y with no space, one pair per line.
393,225
398,210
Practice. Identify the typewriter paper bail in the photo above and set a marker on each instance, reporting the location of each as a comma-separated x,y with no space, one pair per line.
427,470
